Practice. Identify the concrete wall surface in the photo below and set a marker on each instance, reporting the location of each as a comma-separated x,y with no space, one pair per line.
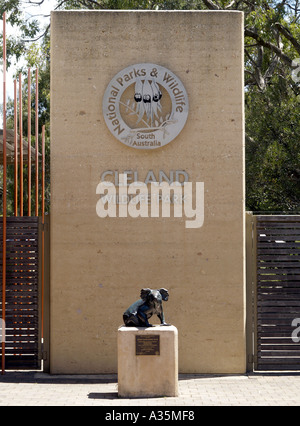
99,265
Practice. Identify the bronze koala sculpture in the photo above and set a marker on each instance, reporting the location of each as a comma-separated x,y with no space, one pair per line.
149,304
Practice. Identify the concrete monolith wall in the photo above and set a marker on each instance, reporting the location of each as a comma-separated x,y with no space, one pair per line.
99,265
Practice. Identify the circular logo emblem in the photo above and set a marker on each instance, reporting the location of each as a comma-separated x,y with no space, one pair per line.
145,106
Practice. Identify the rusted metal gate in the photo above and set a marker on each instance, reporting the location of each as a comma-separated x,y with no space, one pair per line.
23,316
273,280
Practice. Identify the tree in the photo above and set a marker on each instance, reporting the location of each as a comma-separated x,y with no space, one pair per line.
272,46
35,56
273,151
272,32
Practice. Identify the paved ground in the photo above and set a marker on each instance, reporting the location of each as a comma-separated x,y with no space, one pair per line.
34,388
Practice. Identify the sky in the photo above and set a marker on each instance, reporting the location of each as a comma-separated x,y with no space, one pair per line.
29,9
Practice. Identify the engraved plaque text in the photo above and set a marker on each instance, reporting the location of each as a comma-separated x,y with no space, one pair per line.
147,345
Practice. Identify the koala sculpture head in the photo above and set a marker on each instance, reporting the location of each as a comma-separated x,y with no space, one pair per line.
148,294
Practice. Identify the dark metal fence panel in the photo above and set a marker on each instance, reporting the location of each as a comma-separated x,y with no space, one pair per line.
278,292
22,343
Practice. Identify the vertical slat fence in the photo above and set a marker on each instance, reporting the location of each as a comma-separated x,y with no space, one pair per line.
22,346
278,292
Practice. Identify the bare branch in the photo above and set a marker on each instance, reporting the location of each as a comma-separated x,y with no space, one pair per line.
34,3
249,139
285,58
85,3
260,55
211,5
271,68
230,4
286,33
250,58
39,37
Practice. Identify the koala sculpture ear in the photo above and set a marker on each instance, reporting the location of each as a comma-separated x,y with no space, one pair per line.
145,293
164,293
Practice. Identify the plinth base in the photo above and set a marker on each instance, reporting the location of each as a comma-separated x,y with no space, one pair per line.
147,361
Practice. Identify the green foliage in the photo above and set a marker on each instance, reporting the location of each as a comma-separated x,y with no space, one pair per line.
36,56
132,4
272,41
273,153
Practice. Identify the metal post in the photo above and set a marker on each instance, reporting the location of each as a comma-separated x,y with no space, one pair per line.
249,292
254,268
4,199
21,144
36,143
43,222
15,149
29,141
43,173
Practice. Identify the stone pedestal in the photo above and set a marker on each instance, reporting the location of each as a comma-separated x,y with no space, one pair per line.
147,361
